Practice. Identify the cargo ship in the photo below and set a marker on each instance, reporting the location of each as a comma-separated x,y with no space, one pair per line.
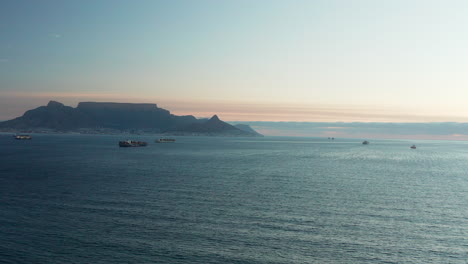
22,137
165,140
131,143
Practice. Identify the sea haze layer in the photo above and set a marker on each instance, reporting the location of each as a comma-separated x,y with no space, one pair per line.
82,199
433,131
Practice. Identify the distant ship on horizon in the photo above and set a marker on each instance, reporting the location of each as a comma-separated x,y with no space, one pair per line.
131,143
165,140
22,137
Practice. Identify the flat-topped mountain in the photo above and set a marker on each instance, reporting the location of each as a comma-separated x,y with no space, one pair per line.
123,117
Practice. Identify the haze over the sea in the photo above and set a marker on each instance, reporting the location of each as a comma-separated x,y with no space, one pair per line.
293,61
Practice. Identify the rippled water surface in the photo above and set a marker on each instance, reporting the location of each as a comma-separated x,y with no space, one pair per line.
82,199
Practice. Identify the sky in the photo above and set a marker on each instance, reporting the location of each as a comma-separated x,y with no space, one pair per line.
294,61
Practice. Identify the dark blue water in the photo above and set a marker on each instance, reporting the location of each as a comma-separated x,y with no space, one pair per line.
82,199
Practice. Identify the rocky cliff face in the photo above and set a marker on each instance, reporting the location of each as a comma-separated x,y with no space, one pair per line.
118,117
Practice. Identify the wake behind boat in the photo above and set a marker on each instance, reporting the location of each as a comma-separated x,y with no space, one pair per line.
132,143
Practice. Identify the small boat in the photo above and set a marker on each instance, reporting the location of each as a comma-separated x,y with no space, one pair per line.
22,137
132,143
165,140
413,147
365,142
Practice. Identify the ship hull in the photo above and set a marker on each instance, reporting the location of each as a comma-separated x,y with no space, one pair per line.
130,144
23,137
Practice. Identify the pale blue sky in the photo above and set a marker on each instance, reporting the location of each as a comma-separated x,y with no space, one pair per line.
352,60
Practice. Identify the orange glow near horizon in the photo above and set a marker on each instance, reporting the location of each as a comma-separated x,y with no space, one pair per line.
17,103
235,110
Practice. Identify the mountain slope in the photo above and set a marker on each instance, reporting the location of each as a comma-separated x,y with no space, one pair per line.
54,116
248,128
214,126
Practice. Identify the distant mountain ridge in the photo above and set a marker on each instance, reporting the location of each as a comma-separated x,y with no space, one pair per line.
124,117
214,126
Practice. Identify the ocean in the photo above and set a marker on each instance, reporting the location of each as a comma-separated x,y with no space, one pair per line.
82,199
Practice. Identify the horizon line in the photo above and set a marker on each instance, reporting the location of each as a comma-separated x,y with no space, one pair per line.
246,111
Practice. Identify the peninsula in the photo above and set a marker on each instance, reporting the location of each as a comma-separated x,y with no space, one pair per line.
115,118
